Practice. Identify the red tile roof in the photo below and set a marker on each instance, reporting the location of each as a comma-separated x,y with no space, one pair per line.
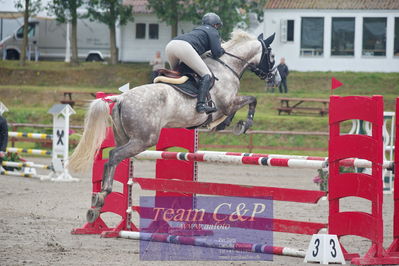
332,4
139,6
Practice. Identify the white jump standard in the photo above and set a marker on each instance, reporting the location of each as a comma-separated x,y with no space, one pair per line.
59,152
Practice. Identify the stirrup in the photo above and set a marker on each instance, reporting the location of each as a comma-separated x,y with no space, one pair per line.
203,108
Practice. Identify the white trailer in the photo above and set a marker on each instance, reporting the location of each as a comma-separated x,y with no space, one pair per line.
47,40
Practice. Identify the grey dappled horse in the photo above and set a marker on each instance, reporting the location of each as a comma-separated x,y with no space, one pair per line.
140,113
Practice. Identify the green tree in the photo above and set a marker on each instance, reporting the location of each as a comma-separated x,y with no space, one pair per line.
110,12
230,11
29,7
173,11
66,11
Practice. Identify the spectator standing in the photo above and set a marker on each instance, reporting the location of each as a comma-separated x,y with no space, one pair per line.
3,137
156,63
283,70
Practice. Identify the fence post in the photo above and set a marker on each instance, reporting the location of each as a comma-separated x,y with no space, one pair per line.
251,143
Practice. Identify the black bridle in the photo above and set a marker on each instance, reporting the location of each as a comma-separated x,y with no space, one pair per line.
262,70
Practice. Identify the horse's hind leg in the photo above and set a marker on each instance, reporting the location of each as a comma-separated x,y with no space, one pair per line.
130,149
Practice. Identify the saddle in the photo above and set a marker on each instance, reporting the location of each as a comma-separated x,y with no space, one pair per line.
184,80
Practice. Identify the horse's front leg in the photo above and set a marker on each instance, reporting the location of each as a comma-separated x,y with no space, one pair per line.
130,149
106,188
238,103
98,199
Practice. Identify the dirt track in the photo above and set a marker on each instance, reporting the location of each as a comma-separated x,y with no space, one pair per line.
37,217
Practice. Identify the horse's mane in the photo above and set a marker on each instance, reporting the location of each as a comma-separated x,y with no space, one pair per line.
238,36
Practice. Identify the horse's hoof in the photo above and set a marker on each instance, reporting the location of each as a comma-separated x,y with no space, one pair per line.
97,200
240,128
92,215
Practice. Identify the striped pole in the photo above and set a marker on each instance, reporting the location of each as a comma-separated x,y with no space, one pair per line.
228,159
351,162
30,151
30,135
26,164
5,172
203,242
275,160
303,157
361,163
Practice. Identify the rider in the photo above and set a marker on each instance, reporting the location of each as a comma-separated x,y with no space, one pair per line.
188,47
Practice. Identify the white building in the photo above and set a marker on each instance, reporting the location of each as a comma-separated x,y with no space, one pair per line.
139,40
339,35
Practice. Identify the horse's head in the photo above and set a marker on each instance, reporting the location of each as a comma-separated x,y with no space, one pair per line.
252,53
264,68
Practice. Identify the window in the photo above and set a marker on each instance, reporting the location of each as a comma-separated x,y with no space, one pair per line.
396,38
343,36
290,30
31,31
312,36
153,31
287,31
140,31
374,36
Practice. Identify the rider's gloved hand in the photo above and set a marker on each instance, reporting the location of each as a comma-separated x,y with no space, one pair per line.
222,51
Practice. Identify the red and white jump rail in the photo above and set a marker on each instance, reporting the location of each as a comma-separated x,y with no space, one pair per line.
203,242
350,162
302,157
228,159
271,160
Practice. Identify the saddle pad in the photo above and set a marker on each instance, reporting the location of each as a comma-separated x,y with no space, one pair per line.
188,88
169,80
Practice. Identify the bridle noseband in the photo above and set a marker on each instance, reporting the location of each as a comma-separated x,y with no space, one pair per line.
261,70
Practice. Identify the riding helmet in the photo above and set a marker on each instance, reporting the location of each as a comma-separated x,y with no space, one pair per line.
212,19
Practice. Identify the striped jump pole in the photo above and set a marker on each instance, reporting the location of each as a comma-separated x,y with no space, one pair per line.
302,157
29,151
26,164
5,172
30,135
350,162
292,161
228,159
203,242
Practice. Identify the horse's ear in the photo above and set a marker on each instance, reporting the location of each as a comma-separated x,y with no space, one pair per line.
260,37
270,39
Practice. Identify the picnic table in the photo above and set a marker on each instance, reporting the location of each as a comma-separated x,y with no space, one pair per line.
69,100
288,105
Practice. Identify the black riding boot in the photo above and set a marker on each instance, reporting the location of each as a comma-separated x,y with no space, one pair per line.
202,107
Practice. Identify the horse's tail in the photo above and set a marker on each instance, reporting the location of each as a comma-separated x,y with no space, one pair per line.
96,121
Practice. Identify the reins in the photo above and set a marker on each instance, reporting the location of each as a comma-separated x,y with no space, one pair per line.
254,68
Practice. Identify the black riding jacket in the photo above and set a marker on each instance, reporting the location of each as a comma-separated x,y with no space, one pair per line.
283,70
3,134
202,39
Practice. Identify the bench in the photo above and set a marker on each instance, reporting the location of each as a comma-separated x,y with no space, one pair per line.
68,97
288,105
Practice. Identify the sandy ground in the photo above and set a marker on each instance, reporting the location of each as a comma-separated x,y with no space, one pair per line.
36,218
